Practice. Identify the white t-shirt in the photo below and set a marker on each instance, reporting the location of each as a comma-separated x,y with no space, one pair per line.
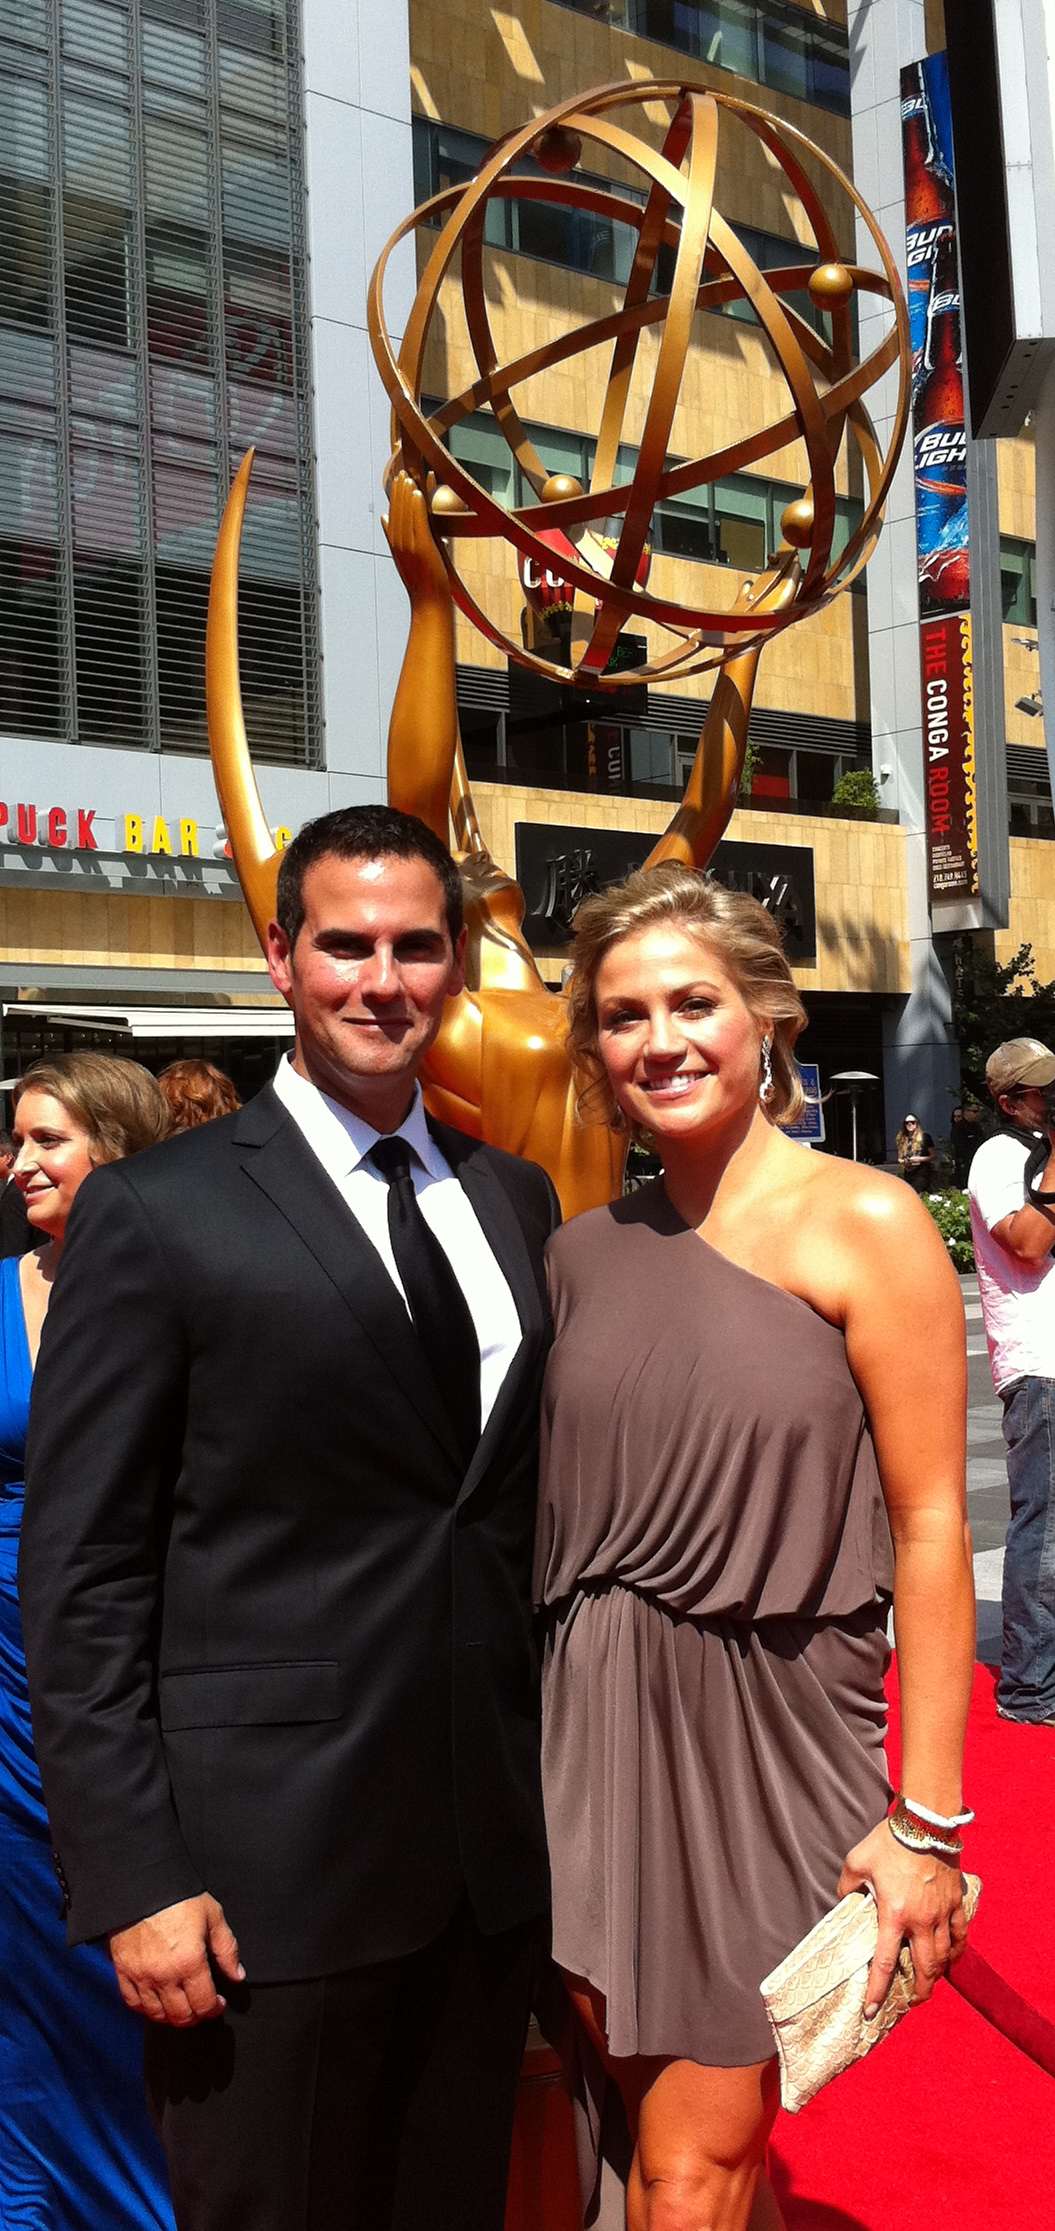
1018,1299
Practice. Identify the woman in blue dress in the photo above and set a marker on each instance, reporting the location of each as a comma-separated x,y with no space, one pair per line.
77,2151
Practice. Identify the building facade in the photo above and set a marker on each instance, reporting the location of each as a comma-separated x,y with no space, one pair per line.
196,191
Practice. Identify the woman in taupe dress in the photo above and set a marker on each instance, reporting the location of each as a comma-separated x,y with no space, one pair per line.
740,1465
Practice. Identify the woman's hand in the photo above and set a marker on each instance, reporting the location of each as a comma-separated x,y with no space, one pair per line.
918,1897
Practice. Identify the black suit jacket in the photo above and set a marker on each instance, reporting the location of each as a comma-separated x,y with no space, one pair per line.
279,1646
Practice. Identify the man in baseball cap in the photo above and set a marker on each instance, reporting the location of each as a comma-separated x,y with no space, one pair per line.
1013,1241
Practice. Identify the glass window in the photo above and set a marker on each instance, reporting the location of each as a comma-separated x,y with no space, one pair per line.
155,415
829,66
742,524
173,57
721,32
106,498
27,373
255,194
771,773
29,643
480,446
94,33
28,498
95,242
815,773
1018,581
258,316
685,530
27,21
177,175
774,43
186,514
96,150
177,295
258,25
575,239
24,129
103,392
190,12
651,757
786,52
24,252
182,412
107,612
253,83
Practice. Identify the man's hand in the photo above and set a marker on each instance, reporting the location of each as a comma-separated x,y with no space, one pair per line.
163,1967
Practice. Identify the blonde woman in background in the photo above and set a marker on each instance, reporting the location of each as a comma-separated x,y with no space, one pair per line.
915,1154
76,2146
730,1440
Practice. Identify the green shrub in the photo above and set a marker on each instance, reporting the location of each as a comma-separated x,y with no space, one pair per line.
951,1212
857,788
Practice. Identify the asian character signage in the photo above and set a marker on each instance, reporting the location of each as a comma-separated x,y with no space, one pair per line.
559,867
940,461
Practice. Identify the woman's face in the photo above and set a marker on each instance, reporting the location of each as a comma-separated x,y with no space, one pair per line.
681,1048
911,1123
53,1160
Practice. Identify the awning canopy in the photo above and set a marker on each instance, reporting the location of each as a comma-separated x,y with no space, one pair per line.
165,1022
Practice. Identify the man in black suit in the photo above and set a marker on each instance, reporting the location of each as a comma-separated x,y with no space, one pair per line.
275,1585
16,1234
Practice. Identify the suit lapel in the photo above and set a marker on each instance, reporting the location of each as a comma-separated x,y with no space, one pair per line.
280,1161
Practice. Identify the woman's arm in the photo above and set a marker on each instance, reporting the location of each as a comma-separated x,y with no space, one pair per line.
906,1346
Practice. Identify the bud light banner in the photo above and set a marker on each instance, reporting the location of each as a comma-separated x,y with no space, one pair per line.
940,459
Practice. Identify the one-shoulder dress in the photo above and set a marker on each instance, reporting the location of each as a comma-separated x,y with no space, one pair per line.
77,2150
715,1568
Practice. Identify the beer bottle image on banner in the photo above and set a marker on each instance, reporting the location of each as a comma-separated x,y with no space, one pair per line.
929,201
941,449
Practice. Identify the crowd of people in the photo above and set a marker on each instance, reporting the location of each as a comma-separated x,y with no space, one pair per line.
333,1792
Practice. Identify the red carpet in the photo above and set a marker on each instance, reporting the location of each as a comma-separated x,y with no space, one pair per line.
946,2123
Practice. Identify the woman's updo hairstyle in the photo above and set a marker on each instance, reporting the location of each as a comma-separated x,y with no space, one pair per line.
117,1102
738,929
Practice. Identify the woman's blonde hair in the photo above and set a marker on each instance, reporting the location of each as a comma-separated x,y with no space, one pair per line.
738,929
117,1102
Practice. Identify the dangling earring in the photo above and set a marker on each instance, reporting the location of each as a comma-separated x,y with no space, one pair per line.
766,1086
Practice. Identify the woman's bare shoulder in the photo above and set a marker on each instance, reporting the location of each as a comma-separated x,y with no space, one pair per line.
875,1218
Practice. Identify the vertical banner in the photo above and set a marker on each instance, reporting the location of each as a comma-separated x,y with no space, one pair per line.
940,460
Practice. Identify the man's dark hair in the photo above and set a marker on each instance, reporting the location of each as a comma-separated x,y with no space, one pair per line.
8,1142
363,833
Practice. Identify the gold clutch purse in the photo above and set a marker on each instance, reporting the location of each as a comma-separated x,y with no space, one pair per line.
815,1998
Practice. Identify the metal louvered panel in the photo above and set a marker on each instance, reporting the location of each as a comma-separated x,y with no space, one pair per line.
151,322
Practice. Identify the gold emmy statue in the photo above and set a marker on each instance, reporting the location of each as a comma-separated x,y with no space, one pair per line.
500,1069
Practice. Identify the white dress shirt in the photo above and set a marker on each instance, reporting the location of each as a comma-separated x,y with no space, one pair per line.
342,1141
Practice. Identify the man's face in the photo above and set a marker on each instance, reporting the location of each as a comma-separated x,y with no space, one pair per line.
1026,1106
367,980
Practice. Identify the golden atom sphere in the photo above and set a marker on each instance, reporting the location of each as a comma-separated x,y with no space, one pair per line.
651,157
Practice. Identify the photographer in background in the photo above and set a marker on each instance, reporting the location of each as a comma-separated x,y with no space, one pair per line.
1012,1195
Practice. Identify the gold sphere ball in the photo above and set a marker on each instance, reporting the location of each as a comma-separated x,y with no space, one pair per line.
830,283
558,150
560,487
796,522
444,503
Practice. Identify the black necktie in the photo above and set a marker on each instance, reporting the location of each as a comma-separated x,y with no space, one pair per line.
441,1315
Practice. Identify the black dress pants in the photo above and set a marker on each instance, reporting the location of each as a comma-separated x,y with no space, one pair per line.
377,2100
